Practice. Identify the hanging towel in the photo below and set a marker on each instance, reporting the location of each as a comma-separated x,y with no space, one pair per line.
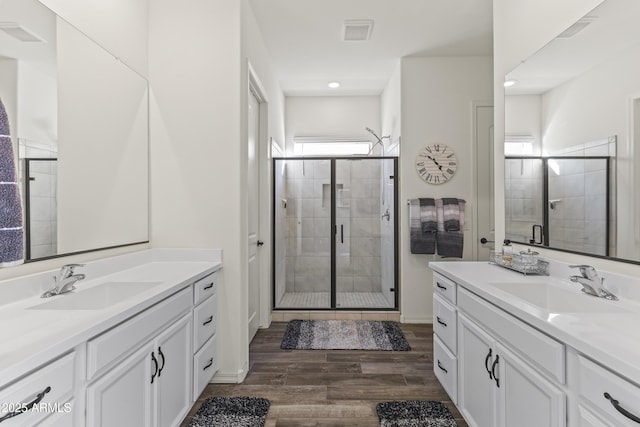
450,236
11,233
420,242
428,216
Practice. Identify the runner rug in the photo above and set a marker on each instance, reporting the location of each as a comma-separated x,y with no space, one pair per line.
344,335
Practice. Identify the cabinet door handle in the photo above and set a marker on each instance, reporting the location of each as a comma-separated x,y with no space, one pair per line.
493,370
440,321
486,363
208,364
209,320
620,409
442,367
26,407
209,286
155,362
163,361
444,288
341,233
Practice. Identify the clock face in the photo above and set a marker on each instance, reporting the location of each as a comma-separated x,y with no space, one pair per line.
436,163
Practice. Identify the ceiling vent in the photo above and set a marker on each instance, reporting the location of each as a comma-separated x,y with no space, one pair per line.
357,30
576,28
18,31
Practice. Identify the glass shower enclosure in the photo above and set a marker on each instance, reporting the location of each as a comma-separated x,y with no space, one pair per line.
335,229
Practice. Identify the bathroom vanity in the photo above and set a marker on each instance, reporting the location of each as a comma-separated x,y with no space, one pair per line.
515,350
135,344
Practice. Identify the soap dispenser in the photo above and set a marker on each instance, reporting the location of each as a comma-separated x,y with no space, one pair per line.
507,252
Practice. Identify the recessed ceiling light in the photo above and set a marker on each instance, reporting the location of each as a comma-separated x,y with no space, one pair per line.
508,83
334,85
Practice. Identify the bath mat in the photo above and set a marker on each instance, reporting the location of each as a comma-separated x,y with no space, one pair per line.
414,413
231,412
344,335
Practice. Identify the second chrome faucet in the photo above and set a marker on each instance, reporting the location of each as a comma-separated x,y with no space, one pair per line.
591,282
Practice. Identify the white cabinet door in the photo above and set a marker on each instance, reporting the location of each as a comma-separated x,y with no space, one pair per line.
173,386
525,398
123,397
476,386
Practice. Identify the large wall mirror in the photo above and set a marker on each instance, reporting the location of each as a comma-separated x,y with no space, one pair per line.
79,127
575,104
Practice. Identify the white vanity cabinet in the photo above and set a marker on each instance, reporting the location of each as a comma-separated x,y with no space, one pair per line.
147,384
603,398
205,340
508,374
40,396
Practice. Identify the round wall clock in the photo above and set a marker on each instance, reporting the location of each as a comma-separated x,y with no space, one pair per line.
436,163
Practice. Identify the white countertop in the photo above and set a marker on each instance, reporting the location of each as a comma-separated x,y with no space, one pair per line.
611,339
30,338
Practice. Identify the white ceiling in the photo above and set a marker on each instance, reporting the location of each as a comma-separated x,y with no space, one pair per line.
304,39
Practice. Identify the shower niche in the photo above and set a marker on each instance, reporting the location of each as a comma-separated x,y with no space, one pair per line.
334,245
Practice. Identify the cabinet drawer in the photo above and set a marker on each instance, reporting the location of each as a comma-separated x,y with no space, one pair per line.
588,418
205,287
445,366
104,351
594,381
205,364
444,287
54,382
62,418
445,323
540,350
205,321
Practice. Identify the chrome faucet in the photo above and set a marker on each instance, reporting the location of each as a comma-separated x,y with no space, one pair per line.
64,281
592,284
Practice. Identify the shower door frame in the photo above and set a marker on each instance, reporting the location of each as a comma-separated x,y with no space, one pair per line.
333,226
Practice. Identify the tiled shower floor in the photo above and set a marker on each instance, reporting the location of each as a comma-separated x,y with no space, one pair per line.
344,300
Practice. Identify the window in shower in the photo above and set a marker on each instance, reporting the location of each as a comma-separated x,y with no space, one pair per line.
335,233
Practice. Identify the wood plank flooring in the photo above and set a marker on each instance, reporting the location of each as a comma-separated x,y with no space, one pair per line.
336,388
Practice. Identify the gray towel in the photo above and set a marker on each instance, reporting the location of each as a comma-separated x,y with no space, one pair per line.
419,241
428,216
11,245
450,236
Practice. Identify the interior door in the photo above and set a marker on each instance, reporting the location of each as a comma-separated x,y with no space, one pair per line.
253,186
483,115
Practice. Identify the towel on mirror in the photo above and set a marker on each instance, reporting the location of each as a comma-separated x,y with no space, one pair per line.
450,236
420,242
11,233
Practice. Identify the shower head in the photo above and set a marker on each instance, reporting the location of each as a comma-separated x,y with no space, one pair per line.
373,133
379,140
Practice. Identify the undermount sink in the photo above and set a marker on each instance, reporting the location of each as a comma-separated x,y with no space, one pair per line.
96,298
557,300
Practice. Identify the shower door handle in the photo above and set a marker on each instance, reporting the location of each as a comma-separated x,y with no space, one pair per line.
342,233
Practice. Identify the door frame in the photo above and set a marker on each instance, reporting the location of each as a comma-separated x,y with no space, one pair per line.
475,105
255,87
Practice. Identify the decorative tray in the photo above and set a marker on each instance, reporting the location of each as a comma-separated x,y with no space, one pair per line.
517,263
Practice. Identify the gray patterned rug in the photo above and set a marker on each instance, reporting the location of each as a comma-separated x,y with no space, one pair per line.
231,412
344,335
414,413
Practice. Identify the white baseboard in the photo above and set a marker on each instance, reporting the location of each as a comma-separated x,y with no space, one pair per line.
230,377
426,319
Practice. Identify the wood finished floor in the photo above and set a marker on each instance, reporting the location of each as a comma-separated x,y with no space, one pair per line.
337,388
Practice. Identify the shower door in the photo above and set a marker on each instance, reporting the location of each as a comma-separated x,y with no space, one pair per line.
335,233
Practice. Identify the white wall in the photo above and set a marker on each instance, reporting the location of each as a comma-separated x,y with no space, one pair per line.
331,116
437,96
118,25
391,111
521,27
523,118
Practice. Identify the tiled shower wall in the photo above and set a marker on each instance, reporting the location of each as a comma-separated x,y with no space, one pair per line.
358,261
523,198
578,205
308,221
